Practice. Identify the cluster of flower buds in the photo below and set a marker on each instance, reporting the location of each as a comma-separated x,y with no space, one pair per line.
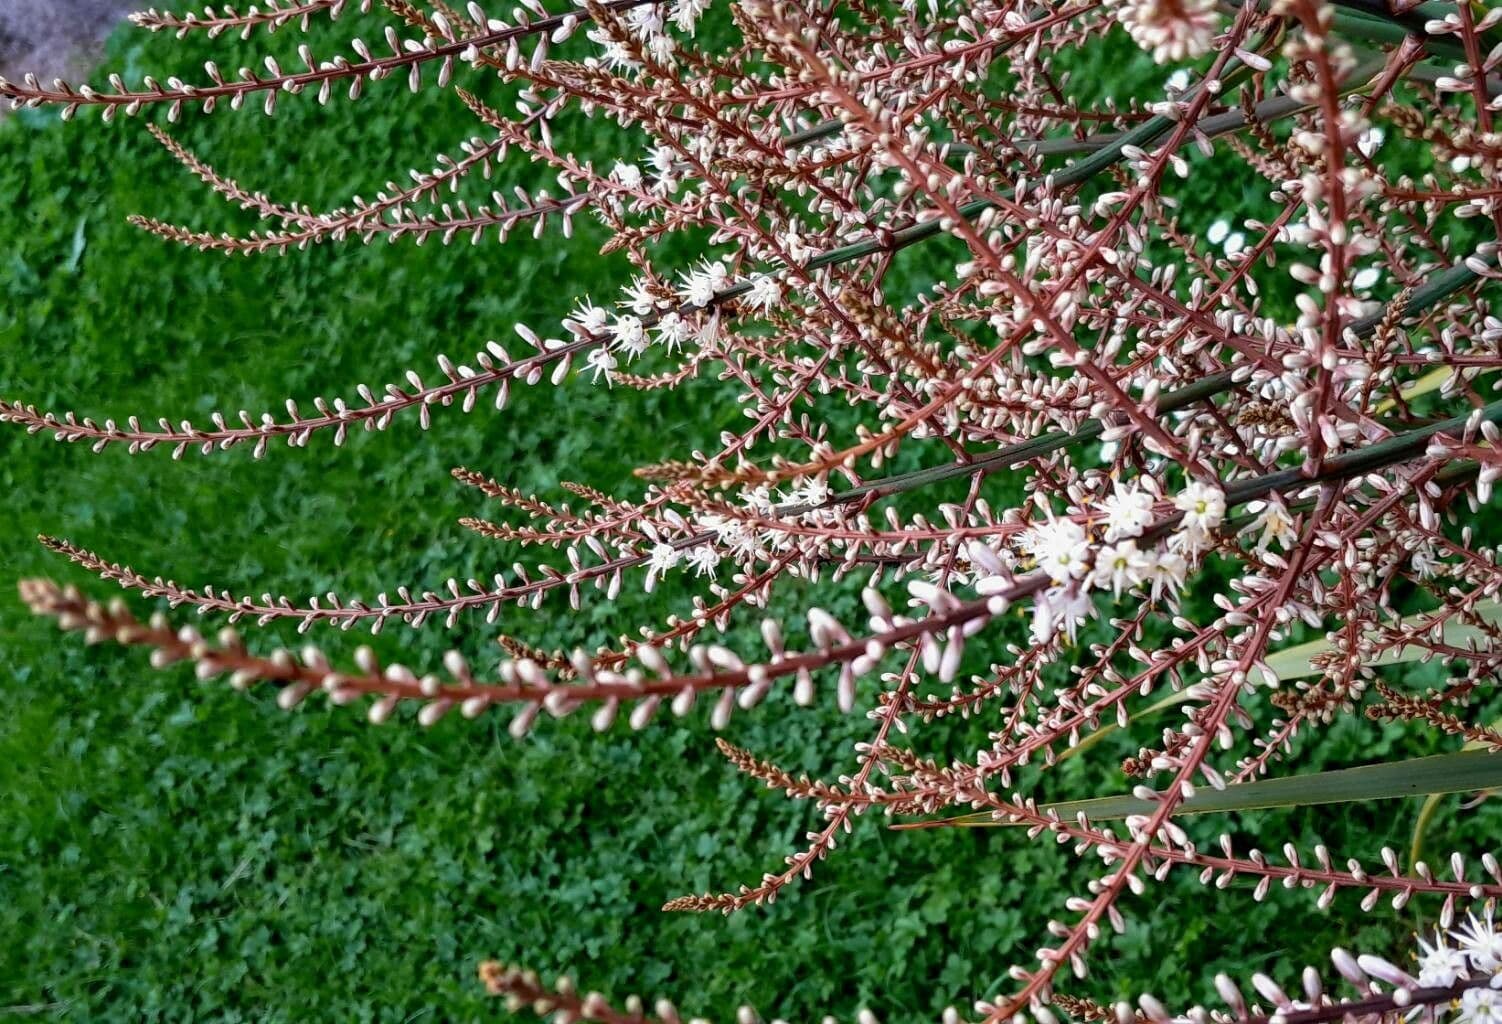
1171,30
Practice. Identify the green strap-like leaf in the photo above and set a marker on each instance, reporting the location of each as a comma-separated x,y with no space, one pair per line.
1430,806
1461,772
1297,662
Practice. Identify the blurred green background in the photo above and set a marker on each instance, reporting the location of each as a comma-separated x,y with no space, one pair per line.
171,850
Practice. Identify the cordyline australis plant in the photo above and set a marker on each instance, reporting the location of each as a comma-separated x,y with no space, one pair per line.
1294,395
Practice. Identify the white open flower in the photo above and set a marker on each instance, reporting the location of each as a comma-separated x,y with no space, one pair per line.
601,362
639,297
672,331
1203,505
616,56
1272,524
765,293
730,533
1480,1006
1440,964
697,289
705,560
646,21
1060,609
587,318
1168,573
662,47
1481,942
1129,511
813,491
686,14
1060,548
664,161
702,284
628,175
628,335
1120,566
660,560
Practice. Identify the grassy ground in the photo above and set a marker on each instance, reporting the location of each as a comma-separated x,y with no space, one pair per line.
173,851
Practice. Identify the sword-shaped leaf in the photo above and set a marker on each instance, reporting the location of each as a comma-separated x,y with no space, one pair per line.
1460,772
1297,662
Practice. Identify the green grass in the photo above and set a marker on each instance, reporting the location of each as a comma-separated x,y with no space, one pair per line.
171,850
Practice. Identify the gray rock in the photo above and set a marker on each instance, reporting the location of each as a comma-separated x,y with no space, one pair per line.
56,37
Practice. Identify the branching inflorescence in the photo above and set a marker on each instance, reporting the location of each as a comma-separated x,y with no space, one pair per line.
1296,390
